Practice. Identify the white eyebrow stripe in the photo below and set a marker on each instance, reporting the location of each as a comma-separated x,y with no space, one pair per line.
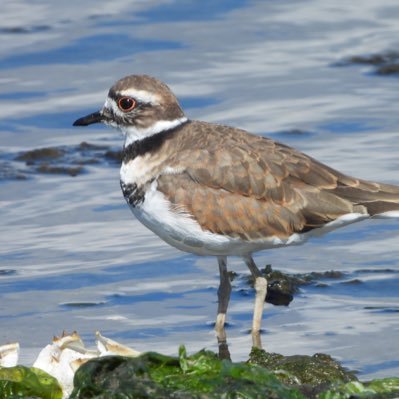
141,95
111,105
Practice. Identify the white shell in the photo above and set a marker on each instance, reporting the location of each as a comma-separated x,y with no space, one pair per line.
65,355
9,355
107,347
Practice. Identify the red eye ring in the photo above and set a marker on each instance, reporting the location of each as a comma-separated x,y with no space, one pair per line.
126,104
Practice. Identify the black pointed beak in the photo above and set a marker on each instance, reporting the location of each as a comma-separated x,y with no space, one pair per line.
95,117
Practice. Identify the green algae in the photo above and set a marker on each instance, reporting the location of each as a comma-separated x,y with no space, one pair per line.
302,369
310,374
28,382
204,376
201,376
386,388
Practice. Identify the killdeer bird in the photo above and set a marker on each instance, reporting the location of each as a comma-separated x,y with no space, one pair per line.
216,190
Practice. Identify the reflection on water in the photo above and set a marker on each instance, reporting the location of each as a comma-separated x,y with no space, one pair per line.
73,257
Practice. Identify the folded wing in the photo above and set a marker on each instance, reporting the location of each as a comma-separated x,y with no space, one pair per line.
253,188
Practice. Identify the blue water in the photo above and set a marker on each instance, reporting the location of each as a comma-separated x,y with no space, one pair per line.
191,11
88,49
72,255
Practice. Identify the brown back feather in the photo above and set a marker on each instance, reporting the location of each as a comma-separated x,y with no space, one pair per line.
251,187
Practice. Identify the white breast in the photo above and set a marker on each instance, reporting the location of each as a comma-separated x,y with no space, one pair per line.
179,229
137,171
176,227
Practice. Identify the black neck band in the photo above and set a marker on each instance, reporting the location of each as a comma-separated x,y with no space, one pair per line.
149,144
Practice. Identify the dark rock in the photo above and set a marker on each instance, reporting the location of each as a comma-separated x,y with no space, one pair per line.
7,272
88,146
386,63
388,69
281,287
67,160
114,155
40,154
9,172
24,29
354,281
310,374
60,170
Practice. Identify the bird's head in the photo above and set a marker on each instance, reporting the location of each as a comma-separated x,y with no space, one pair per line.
138,105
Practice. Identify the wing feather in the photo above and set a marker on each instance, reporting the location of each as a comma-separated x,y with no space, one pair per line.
247,186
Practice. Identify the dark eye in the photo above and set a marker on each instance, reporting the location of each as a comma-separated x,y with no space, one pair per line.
126,104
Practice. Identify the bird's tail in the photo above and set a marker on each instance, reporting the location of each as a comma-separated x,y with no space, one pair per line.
378,199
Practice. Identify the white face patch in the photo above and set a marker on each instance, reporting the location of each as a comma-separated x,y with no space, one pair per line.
134,133
141,95
110,104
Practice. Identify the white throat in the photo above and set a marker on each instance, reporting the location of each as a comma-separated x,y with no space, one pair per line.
133,133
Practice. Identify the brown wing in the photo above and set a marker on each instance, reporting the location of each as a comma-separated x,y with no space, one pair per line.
248,186
254,191
224,212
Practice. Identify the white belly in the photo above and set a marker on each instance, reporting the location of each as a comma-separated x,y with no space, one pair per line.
177,228
180,230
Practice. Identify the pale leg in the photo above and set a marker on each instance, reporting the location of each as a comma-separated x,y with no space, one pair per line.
260,285
224,298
